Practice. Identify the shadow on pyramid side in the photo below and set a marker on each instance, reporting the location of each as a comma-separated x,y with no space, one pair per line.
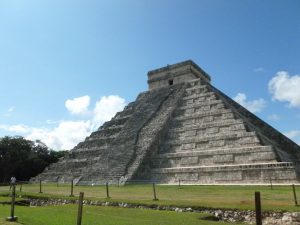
181,129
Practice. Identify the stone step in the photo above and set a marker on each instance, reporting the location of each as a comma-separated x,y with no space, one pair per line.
86,152
212,157
92,155
207,131
72,164
76,162
211,137
200,109
113,127
125,113
107,131
104,175
211,142
200,104
241,173
110,128
55,174
90,149
258,148
94,143
225,167
123,116
105,138
195,87
231,124
195,82
201,97
208,116
196,90
118,121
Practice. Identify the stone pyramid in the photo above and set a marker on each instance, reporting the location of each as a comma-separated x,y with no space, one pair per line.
182,128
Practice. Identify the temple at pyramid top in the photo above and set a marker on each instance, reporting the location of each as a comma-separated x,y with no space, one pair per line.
175,74
183,129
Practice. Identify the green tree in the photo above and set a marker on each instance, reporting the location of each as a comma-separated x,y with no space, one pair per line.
23,158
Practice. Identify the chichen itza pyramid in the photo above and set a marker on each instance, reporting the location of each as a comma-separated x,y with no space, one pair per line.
182,128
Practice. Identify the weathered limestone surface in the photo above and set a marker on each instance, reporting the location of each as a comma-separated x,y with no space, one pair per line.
183,129
118,147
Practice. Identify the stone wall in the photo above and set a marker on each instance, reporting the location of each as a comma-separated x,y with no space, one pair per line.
176,74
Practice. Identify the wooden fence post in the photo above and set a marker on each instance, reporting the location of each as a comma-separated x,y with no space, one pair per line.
154,192
258,208
107,191
80,206
295,196
40,186
12,209
72,184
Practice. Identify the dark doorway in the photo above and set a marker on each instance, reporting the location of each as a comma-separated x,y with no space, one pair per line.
170,82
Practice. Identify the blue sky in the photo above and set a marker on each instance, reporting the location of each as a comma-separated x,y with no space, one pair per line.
95,56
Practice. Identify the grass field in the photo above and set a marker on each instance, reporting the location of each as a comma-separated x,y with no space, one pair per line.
95,215
232,197
237,197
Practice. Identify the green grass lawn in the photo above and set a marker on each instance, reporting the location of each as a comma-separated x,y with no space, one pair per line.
239,197
8,199
95,215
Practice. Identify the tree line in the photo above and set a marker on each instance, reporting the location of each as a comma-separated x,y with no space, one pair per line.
23,158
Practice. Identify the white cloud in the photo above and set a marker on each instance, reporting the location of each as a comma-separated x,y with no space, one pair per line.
52,122
274,117
19,128
253,106
284,87
11,109
66,134
79,105
106,108
258,69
